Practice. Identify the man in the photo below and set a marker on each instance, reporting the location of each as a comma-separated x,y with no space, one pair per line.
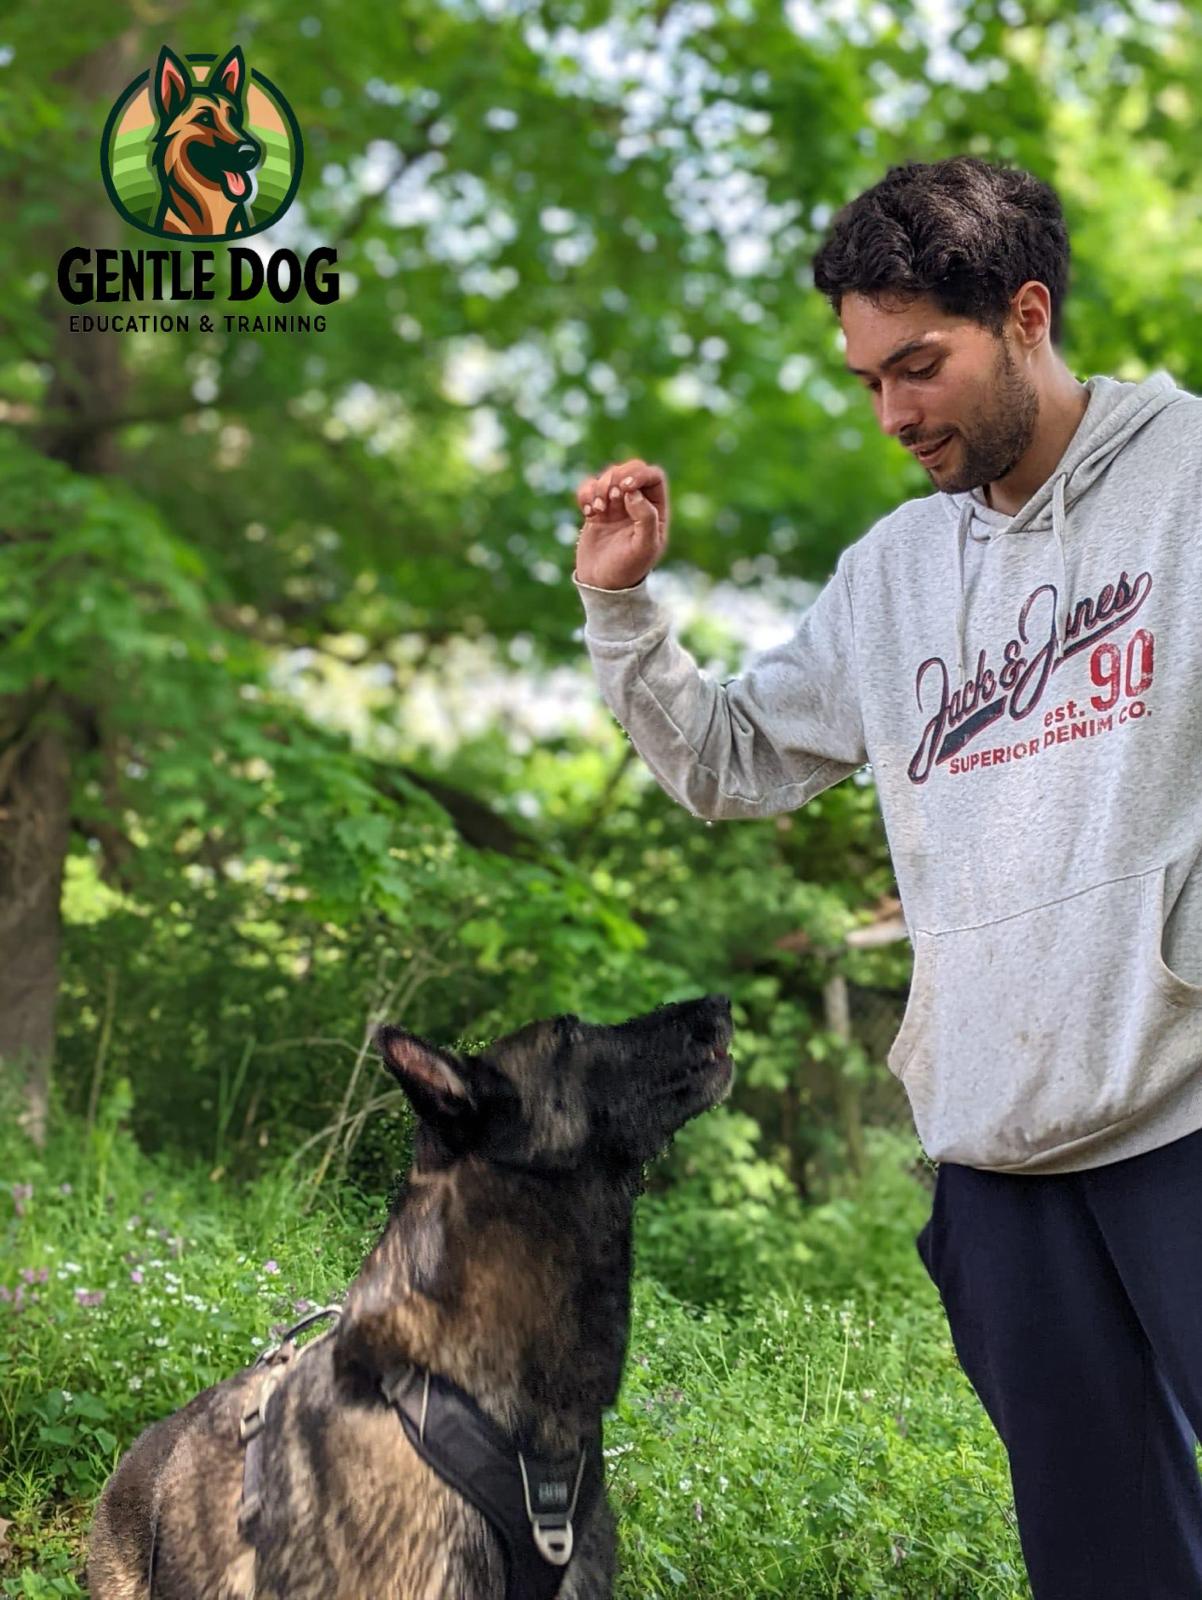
1019,656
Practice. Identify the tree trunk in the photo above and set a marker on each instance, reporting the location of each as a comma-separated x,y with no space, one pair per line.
35,808
37,729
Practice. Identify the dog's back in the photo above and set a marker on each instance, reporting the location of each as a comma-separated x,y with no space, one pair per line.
195,1450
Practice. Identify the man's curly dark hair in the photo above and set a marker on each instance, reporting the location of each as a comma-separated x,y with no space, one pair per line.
964,232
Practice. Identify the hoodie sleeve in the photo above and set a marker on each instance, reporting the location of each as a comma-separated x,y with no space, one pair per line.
762,743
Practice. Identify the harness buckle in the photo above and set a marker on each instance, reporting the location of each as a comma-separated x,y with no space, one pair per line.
255,1413
551,1523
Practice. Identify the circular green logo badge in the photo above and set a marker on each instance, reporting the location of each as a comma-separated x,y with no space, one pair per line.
201,149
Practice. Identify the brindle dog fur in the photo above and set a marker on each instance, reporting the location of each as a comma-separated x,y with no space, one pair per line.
505,1265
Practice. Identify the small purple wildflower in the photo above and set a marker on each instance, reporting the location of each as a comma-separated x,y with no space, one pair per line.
35,1274
89,1297
302,1305
20,1193
271,1266
136,1275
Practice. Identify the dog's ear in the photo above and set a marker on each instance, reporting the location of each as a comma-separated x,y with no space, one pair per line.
171,83
433,1079
230,74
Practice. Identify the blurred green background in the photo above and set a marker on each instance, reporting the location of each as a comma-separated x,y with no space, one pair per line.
297,728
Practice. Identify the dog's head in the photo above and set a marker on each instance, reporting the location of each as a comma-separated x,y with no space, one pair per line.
562,1095
201,126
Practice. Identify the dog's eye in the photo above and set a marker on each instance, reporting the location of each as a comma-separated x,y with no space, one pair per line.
206,119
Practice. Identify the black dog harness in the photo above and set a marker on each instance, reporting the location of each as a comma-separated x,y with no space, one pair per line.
529,1501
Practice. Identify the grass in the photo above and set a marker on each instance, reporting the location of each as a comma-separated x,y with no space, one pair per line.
815,1438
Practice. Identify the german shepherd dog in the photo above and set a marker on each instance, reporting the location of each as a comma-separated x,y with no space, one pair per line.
203,155
503,1271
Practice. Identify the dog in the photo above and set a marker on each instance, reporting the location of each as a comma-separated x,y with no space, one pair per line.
443,1440
203,156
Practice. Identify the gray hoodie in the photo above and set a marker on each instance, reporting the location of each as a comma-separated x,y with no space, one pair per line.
1028,691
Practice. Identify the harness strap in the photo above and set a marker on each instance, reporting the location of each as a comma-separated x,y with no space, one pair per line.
272,1367
530,1501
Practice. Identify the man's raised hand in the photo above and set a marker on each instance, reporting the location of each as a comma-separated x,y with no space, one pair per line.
625,528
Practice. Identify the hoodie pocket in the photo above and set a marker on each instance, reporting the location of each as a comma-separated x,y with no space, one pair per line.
1181,991
1033,1033
918,1004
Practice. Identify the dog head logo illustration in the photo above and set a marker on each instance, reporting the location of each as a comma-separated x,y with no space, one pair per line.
204,157
201,148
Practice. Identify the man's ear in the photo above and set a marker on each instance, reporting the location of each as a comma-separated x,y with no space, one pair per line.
433,1079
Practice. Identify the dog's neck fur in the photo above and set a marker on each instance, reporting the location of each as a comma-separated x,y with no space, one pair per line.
471,1280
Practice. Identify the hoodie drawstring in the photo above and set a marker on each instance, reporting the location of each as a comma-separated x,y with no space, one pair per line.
963,523
1058,530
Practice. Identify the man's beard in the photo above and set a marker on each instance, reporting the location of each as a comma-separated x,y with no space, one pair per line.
1008,432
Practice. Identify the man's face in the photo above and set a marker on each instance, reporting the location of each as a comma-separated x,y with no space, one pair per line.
961,382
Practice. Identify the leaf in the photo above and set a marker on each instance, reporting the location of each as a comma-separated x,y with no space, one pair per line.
60,1433
90,1406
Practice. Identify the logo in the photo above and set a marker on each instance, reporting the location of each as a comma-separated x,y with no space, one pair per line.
1016,689
201,149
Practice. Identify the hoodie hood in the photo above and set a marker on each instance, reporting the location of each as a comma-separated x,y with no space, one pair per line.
1115,413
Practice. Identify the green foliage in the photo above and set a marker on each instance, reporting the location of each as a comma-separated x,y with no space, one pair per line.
811,1439
231,564
798,1447
729,1224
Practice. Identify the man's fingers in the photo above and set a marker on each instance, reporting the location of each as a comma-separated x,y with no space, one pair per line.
590,497
637,474
642,512
607,492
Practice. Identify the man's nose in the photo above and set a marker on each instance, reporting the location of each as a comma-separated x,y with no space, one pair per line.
899,415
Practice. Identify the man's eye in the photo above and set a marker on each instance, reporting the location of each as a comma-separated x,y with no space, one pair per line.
927,372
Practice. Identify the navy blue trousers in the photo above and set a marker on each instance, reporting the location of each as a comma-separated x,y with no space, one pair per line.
1074,1302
